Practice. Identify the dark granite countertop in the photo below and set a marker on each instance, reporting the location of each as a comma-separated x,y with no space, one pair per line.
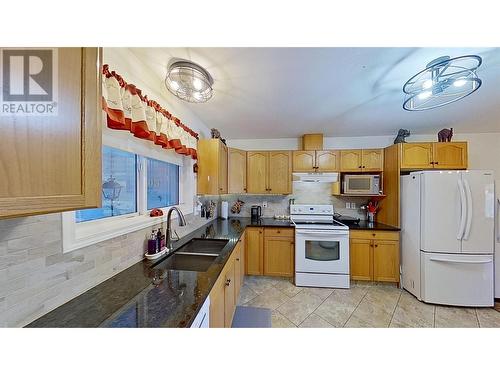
142,296
366,225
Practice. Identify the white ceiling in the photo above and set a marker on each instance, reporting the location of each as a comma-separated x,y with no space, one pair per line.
286,92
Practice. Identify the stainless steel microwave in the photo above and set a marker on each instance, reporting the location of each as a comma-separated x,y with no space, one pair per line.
362,184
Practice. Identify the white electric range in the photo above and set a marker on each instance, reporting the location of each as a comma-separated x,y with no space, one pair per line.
321,247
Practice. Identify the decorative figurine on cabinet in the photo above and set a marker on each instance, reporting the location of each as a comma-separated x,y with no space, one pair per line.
402,134
445,135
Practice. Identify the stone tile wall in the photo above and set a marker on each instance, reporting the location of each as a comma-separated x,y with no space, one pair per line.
36,276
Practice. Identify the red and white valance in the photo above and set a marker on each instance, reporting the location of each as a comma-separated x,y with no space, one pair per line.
127,108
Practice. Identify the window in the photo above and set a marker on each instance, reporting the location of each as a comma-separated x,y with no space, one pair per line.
119,187
162,184
134,182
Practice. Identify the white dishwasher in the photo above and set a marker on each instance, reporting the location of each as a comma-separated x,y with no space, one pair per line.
202,319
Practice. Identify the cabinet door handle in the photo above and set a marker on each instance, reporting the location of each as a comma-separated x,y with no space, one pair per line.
228,282
436,162
376,245
237,259
359,166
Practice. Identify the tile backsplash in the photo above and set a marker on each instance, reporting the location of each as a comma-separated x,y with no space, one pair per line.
303,193
36,276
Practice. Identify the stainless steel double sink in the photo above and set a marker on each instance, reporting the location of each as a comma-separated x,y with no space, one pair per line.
196,255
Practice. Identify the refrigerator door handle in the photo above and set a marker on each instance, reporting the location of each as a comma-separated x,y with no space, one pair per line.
463,212
469,209
461,261
498,220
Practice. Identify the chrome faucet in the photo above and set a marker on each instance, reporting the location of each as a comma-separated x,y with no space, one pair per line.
182,222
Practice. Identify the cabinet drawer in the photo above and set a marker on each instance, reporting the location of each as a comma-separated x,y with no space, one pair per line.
374,235
278,232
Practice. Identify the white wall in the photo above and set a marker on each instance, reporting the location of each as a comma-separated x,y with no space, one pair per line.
125,63
484,153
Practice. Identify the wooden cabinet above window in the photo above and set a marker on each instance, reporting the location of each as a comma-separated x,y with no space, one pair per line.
52,163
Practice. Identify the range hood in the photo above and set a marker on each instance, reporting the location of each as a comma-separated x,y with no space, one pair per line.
316,177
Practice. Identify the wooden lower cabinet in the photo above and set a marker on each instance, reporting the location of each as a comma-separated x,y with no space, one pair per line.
254,251
270,251
374,255
279,256
217,305
225,292
361,259
239,268
229,295
386,260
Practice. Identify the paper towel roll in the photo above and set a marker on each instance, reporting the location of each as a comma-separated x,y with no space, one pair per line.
224,210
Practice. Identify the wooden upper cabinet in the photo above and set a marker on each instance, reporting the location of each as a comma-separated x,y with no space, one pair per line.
434,155
351,161
52,163
449,155
269,172
304,161
237,171
257,172
373,160
416,155
280,172
316,161
327,161
212,167
222,168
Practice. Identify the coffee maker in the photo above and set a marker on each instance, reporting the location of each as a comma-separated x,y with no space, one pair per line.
255,212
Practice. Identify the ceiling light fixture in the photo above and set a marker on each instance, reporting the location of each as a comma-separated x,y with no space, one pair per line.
445,80
189,81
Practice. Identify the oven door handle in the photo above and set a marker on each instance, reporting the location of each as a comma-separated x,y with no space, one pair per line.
324,233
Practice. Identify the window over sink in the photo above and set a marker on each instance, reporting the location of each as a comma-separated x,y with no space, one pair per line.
135,180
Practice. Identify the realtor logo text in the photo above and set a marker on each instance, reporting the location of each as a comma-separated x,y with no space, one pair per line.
29,82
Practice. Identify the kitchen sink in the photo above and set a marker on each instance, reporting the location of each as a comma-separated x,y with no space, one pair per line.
202,246
187,262
196,255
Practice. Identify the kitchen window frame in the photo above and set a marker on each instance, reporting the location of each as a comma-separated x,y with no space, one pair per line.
79,235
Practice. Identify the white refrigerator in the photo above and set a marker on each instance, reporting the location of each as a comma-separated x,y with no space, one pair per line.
447,229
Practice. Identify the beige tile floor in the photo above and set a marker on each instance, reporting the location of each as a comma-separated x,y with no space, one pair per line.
363,305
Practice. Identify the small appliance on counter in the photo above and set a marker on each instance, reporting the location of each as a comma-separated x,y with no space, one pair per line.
224,210
255,212
348,220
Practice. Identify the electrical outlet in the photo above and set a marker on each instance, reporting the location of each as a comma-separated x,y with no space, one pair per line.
347,204
353,205
264,204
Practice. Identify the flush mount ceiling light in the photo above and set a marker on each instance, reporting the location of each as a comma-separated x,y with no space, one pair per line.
445,80
189,81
